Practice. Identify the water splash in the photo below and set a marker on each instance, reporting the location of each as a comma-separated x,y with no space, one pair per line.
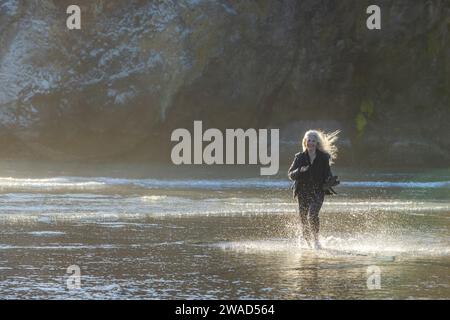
337,246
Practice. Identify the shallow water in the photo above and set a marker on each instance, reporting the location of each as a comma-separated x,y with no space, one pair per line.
193,235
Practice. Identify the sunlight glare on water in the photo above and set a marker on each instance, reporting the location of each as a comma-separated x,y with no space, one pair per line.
235,238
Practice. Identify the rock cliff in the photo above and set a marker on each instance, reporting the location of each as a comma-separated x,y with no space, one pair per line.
138,69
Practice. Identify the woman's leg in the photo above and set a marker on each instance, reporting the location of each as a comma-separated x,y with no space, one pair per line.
303,208
313,216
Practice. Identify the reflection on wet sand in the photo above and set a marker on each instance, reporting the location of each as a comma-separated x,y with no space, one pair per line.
148,239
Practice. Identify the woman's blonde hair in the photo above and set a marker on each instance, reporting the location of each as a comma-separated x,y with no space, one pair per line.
325,142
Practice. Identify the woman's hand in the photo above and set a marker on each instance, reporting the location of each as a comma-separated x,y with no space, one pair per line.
304,168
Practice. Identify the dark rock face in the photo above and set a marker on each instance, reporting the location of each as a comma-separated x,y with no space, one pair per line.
139,69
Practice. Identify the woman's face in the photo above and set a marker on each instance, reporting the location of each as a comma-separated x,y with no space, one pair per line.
311,143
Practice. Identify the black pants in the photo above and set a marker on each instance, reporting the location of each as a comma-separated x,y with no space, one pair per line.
309,205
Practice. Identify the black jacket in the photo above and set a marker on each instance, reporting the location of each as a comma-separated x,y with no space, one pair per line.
312,179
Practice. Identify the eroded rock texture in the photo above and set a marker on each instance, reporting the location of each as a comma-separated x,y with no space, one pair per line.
139,69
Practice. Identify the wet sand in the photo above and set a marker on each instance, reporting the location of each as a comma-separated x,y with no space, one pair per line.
222,239
197,257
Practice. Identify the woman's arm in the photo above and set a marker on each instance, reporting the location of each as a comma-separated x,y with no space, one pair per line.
294,172
293,169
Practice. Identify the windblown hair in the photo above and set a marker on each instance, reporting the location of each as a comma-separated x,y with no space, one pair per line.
325,142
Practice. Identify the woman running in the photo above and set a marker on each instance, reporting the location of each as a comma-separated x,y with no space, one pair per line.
309,171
